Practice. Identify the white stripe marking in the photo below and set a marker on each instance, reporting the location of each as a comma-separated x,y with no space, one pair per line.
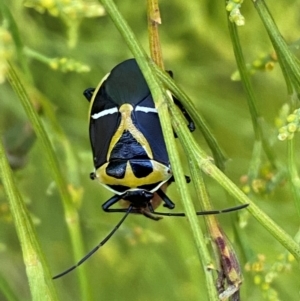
145,109
105,112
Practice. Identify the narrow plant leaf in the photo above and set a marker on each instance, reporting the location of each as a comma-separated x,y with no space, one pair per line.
290,65
40,282
251,97
213,144
201,159
12,25
71,214
6,290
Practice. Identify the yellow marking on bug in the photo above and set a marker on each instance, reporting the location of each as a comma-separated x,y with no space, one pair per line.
160,174
127,124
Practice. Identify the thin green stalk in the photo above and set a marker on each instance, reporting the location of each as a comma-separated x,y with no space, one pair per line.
195,152
285,239
36,55
210,220
201,159
289,64
189,209
6,290
161,99
71,214
156,55
293,174
251,99
218,154
290,67
250,95
13,28
255,162
224,252
40,282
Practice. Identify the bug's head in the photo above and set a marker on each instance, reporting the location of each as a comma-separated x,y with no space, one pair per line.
139,198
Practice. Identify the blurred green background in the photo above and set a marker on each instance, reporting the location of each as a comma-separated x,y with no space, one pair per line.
146,260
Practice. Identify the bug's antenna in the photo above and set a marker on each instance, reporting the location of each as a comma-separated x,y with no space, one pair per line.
209,212
222,210
102,243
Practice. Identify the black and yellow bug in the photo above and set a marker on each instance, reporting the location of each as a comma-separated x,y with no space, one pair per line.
129,151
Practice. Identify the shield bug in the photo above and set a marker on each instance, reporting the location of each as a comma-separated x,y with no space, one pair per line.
129,152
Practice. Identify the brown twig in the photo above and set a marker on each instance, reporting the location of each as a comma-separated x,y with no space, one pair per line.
154,20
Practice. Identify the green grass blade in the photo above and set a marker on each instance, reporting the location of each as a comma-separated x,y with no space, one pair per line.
40,282
251,97
289,64
6,290
13,28
217,152
201,159
71,214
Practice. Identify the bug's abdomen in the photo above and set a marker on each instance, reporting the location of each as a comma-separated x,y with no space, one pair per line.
131,174
130,166
140,168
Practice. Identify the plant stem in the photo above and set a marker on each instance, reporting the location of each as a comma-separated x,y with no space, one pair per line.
71,214
218,154
40,282
201,159
293,174
154,21
251,99
161,99
289,64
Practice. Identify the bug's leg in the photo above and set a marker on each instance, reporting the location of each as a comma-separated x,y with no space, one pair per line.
190,121
110,202
113,200
150,207
88,93
187,179
167,202
150,214
171,180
